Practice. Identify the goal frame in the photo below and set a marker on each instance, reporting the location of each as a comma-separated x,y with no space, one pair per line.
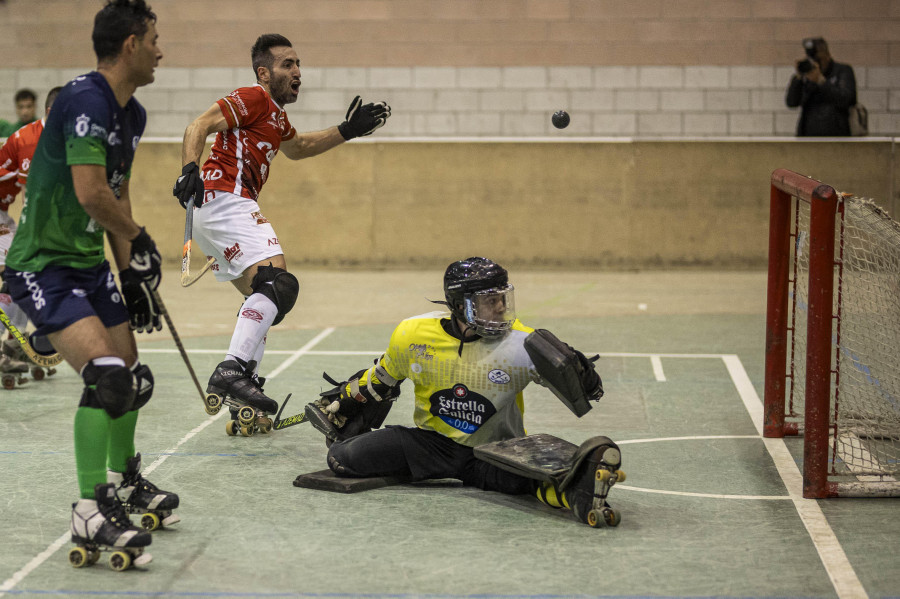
825,208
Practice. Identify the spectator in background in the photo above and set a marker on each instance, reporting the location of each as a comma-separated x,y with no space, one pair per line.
25,111
824,90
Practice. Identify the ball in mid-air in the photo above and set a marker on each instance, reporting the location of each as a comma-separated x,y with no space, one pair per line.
560,119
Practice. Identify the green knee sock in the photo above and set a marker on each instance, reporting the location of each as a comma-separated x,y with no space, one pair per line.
92,434
121,441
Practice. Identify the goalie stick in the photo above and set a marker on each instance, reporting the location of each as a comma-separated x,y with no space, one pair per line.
290,420
186,278
43,361
178,344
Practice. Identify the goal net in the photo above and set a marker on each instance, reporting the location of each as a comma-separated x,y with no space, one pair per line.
833,336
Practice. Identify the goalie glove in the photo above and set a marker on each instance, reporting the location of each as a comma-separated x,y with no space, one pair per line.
363,119
330,409
590,380
189,186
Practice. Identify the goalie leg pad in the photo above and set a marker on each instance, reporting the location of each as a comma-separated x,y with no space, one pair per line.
564,370
145,385
109,388
539,457
278,285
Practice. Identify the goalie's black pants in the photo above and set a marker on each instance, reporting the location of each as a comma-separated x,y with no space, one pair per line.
420,454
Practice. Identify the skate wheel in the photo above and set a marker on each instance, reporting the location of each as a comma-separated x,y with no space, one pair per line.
611,517
246,431
119,561
22,379
149,521
93,557
212,403
620,476
602,475
231,427
594,518
37,373
79,557
265,425
51,371
246,416
9,381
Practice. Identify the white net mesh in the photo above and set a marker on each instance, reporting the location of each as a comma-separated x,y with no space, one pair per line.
865,399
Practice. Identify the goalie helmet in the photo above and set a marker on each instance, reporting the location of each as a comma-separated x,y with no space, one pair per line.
478,293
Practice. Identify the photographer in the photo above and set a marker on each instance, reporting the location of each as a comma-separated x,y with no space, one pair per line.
824,89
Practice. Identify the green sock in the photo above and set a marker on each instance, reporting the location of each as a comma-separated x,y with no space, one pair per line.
121,441
92,433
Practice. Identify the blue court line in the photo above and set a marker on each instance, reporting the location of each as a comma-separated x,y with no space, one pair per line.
177,455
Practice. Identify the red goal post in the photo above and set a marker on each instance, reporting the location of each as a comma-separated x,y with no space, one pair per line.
832,368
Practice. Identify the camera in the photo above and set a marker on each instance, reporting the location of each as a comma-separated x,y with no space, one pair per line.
805,66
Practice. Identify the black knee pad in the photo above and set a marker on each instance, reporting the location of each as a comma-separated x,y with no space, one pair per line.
145,385
109,388
278,285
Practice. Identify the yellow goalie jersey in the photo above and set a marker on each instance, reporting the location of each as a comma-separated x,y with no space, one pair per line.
473,398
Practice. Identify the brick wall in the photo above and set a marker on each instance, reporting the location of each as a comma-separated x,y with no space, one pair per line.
489,67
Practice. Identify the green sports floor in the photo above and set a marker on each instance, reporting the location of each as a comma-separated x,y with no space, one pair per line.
709,507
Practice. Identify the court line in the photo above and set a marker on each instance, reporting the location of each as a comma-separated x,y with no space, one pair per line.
656,362
842,575
702,495
327,352
11,582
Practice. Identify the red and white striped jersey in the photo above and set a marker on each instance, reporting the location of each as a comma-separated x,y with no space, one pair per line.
240,157
15,161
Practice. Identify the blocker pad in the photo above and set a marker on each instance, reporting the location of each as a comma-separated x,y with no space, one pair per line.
326,480
540,457
559,368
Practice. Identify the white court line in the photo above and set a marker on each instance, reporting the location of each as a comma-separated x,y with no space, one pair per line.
703,495
39,559
656,362
844,579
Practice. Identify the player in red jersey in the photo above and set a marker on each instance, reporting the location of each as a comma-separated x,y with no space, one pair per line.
251,126
15,161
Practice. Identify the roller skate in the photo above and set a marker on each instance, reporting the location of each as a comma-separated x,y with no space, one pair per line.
13,349
235,385
595,469
12,371
140,496
101,524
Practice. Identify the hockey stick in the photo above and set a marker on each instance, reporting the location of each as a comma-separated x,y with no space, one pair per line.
184,356
290,420
186,278
43,361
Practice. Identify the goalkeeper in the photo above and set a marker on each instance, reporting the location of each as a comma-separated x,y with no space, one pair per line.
469,368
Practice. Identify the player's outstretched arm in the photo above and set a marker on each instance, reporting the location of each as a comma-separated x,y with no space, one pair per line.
361,120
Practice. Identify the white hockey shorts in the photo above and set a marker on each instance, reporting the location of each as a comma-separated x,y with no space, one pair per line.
233,230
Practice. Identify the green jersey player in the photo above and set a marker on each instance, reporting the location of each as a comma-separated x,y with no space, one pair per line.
56,270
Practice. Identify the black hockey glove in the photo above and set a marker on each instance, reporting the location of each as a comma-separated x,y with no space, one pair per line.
363,119
189,185
590,380
145,260
143,311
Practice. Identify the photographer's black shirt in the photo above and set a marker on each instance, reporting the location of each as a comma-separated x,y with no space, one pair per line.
824,106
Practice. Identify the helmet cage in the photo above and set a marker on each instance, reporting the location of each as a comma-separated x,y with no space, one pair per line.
490,312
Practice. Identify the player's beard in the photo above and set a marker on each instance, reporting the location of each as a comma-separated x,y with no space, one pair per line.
281,90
